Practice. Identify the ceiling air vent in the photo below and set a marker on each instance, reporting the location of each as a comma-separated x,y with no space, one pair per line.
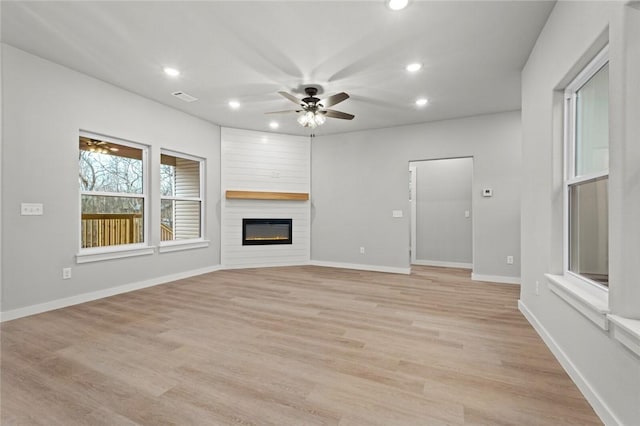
184,97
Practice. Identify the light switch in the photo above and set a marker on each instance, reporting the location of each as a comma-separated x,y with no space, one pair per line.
467,213
31,209
397,213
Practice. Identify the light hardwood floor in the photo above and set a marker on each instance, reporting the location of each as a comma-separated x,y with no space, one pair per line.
289,346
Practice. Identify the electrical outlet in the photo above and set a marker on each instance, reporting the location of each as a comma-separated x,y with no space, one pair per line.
509,260
537,288
31,209
361,250
66,273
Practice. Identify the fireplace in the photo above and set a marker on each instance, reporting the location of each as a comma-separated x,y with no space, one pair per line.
258,232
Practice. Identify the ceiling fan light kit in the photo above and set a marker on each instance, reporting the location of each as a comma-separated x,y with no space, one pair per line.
311,119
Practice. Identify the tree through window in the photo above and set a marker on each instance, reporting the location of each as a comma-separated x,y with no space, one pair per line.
112,194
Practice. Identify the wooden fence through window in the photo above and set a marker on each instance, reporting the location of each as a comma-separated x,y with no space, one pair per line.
166,233
99,229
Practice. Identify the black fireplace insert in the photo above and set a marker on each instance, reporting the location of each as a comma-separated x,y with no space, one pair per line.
257,232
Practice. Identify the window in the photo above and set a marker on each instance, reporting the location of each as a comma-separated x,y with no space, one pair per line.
180,197
112,192
587,173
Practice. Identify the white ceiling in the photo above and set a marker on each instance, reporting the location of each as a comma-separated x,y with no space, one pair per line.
472,51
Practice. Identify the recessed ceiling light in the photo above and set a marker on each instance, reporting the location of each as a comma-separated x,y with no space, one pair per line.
397,4
422,102
414,67
171,72
234,104
274,125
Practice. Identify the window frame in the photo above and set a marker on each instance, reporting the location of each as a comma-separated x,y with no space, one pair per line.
172,245
569,141
91,254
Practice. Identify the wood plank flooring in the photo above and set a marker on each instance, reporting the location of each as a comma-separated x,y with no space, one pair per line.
289,346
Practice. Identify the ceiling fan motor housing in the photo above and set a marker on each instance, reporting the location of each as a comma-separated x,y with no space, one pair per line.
311,99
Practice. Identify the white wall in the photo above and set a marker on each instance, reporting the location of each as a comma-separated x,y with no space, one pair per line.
443,195
256,161
359,178
45,105
626,176
606,371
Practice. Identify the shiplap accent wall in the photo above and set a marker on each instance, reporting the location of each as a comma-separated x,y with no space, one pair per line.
256,161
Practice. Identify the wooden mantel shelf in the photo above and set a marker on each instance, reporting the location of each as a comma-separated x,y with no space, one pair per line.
263,195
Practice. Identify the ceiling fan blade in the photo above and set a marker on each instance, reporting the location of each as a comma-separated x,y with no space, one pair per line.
337,114
335,99
291,97
284,112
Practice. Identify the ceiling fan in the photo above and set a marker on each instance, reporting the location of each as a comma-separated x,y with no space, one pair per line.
314,110
94,145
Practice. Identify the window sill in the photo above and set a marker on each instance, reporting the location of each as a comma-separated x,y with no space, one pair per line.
168,247
591,302
102,253
627,332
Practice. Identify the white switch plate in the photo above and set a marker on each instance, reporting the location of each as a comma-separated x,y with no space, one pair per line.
510,260
66,273
467,213
396,213
31,209
361,250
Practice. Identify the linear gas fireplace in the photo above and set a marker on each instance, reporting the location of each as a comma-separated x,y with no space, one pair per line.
256,232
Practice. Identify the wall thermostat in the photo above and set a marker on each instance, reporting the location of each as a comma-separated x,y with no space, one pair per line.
487,192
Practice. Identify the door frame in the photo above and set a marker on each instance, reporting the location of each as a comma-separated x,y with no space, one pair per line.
413,173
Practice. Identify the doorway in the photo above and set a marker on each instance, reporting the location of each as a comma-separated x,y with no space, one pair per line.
441,212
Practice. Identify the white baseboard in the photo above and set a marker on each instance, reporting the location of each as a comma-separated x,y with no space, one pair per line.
94,295
443,264
361,267
263,265
599,406
495,279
